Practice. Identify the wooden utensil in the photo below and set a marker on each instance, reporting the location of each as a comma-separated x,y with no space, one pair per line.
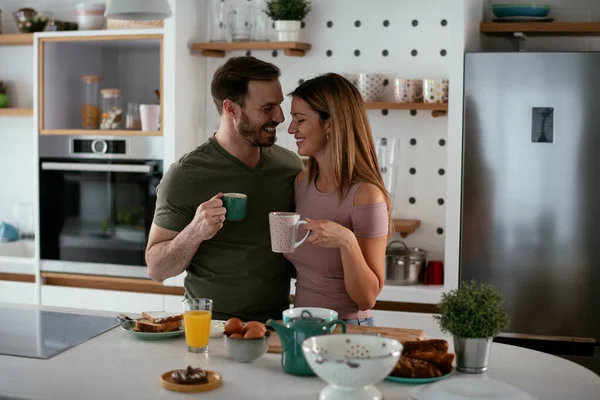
400,334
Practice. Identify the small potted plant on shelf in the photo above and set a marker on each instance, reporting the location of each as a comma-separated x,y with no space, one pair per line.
288,16
3,96
473,315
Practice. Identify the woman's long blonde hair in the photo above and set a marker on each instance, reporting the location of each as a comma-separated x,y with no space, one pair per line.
351,148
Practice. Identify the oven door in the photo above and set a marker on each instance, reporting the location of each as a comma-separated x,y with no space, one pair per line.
97,211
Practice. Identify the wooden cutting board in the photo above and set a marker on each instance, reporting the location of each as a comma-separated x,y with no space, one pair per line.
400,334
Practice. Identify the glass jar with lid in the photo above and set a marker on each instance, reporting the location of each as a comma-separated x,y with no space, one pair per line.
90,107
112,108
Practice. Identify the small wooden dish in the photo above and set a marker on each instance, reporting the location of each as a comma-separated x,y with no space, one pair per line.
214,381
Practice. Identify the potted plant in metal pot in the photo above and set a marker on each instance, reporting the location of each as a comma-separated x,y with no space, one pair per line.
473,315
288,16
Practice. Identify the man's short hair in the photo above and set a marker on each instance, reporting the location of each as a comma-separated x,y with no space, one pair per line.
230,80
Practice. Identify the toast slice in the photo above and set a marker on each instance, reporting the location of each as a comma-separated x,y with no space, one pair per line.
145,325
160,317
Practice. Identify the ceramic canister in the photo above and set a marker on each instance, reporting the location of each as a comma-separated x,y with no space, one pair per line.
370,86
408,90
435,91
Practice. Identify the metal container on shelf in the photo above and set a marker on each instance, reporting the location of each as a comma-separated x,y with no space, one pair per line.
90,108
112,108
404,265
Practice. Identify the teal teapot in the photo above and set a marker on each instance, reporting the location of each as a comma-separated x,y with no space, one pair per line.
293,333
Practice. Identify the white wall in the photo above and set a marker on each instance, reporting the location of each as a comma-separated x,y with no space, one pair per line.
190,115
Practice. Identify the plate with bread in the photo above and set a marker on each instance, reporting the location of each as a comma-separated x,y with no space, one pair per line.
422,361
154,325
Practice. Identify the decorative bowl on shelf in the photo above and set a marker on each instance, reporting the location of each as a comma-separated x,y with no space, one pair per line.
29,20
520,10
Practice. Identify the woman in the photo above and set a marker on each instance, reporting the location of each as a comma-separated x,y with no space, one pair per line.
343,198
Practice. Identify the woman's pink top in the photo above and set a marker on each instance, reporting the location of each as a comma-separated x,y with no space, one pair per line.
320,273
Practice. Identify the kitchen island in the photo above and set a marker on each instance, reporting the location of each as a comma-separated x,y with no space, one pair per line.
117,365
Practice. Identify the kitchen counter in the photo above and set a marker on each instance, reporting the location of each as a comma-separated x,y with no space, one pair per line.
117,365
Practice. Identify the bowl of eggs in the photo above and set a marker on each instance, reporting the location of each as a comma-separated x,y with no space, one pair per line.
246,342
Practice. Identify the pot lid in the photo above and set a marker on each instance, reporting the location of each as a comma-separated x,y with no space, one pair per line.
397,250
403,250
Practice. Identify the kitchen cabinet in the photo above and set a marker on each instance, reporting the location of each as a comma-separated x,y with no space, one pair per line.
105,300
17,292
128,61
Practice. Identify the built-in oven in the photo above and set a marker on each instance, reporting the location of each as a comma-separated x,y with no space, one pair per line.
97,200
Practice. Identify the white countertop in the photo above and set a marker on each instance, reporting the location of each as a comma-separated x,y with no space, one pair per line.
117,365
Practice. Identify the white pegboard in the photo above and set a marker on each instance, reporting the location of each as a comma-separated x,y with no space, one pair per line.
336,29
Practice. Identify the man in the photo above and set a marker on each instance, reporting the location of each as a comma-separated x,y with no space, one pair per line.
230,262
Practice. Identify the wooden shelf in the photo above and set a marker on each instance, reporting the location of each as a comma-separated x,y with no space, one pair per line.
541,28
16,112
406,226
293,49
109,283
437,110
99,132
16,39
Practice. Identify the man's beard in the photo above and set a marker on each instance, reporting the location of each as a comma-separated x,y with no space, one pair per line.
254,134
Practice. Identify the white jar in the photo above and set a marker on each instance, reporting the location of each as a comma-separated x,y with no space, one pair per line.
90,16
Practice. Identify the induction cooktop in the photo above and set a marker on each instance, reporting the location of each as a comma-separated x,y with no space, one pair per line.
43,334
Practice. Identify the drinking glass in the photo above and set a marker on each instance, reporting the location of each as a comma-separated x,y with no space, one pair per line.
240,22
387,155
197,314
260,28
218,27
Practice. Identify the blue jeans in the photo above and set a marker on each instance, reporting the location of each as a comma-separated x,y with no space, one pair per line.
364,321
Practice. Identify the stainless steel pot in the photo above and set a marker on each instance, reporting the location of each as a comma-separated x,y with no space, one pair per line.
404,265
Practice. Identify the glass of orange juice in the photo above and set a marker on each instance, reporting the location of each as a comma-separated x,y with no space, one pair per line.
197,314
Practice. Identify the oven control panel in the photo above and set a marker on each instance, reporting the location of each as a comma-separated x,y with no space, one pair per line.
87,146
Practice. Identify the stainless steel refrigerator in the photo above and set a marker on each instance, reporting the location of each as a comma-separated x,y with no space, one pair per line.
531,195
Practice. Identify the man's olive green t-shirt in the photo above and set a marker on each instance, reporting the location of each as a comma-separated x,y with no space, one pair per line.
236,268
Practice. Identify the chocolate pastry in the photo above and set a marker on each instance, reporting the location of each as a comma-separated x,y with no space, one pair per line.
442,360
190,376
430,345
413,368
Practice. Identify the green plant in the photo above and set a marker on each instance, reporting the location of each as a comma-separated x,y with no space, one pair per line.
287,10
474,310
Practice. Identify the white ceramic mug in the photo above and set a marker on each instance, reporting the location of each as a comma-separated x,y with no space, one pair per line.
435,91
284,230
408,90
150,116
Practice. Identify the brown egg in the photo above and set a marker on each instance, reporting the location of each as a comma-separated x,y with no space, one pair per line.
236,336
254,333
234,325
255,325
